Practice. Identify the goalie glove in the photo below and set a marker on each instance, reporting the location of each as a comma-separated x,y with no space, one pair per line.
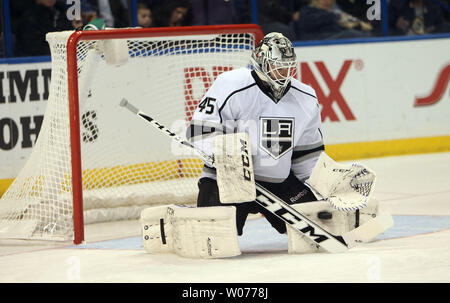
345,186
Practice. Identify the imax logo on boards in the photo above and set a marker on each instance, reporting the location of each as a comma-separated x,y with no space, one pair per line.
334,86
192,98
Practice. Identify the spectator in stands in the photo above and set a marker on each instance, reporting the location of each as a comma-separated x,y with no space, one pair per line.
278,16
348,20
416,17
46,16
320,20
88,14
113,12
355,8
173,13
209,12
243,11
446,12
17,9
359,10
152,4
144,15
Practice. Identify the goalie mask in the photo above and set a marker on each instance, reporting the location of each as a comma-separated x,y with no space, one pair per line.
274,61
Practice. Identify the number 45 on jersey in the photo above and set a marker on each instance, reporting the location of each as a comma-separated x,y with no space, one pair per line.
208,104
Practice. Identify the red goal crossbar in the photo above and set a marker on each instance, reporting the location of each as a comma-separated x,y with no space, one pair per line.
72,70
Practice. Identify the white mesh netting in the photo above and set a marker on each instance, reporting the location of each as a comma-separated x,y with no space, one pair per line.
126,165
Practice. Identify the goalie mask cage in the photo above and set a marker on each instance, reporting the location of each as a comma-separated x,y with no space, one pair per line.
93,161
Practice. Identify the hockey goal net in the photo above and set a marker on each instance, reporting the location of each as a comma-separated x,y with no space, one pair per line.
95,162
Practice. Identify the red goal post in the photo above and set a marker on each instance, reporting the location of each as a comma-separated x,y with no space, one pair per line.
73,89
94,163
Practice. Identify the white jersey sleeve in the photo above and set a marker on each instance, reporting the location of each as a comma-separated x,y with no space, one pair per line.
310,145
214,114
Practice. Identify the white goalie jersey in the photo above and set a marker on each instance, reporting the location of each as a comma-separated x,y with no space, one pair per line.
284,136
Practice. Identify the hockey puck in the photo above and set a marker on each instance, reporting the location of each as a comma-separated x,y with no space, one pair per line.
325,215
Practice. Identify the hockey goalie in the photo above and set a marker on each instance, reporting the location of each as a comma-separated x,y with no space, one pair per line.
264,126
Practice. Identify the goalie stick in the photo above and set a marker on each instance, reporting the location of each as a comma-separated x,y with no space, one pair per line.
331,243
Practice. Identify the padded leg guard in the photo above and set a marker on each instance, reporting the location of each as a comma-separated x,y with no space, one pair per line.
334,221
193,232
157,231
205,232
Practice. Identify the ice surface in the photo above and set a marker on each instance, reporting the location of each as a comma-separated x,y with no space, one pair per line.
414,189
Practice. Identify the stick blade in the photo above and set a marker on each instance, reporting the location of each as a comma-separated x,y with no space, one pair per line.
369,230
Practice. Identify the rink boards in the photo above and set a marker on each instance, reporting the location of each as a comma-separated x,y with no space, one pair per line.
377,99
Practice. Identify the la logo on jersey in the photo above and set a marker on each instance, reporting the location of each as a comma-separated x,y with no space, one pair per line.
276,135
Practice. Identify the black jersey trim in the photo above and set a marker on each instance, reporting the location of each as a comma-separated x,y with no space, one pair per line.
301,153
230,95
266,89
209,169
308,146
304,92
320,133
